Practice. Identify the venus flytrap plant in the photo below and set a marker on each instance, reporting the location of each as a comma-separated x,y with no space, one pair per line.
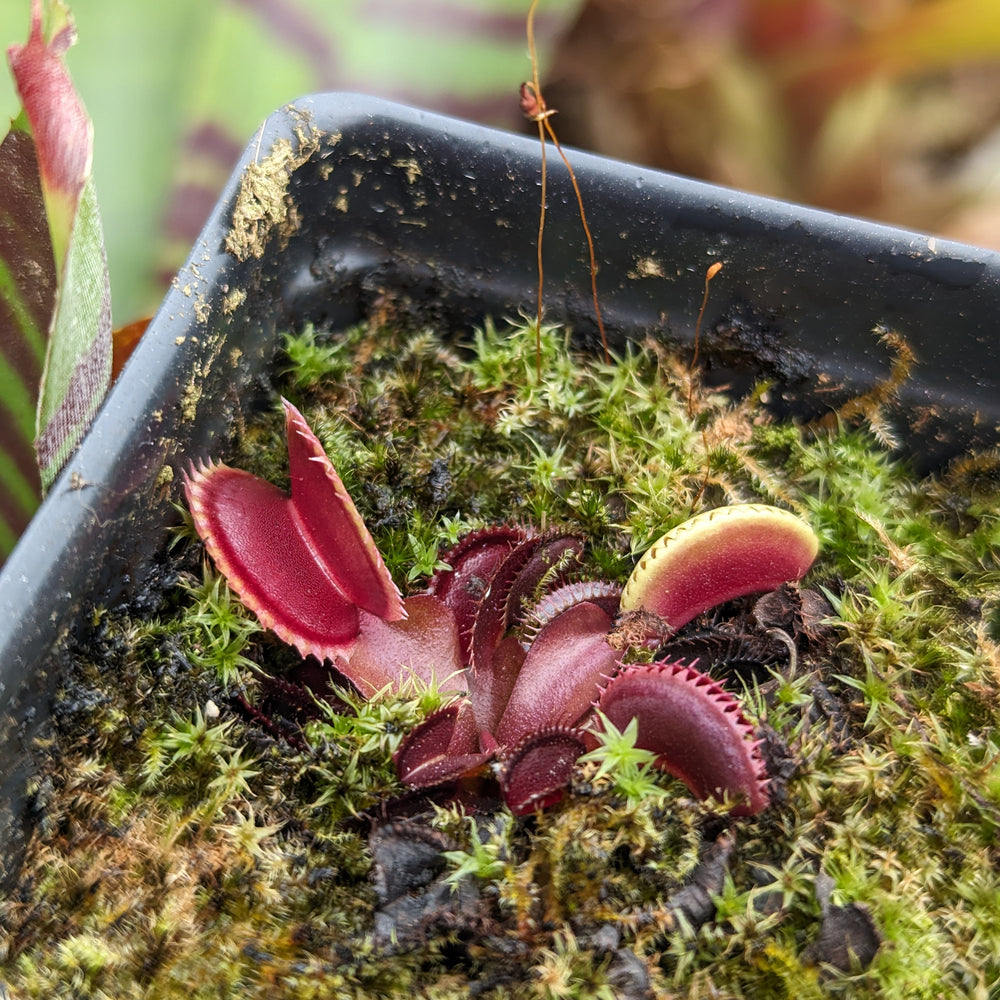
528,651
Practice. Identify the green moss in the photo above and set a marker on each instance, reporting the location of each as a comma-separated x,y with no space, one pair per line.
187,847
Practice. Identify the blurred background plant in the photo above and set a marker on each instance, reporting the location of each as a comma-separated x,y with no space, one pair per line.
176,91
883,108
888,109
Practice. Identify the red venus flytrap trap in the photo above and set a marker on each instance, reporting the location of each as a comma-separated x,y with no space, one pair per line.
531,674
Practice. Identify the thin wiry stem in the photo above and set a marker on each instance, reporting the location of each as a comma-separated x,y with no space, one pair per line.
541,267
590,240
534,106
537,90
712,271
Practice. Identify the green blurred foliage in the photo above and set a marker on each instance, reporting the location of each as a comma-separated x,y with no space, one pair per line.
176,90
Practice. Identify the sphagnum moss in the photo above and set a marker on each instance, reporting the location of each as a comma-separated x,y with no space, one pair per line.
192,841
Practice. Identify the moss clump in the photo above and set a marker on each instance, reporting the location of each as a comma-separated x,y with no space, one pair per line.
198,828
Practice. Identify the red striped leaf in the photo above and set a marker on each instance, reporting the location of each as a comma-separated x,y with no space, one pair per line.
55,301
27,300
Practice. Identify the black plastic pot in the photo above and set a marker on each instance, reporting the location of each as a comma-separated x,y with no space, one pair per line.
343,200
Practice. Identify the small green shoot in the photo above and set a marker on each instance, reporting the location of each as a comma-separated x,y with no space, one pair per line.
628,769
483,860
219,630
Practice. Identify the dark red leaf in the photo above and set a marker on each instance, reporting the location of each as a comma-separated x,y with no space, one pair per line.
538,770
695,727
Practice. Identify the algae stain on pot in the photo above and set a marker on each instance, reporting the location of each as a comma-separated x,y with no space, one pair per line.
234,298
192,392
263,206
